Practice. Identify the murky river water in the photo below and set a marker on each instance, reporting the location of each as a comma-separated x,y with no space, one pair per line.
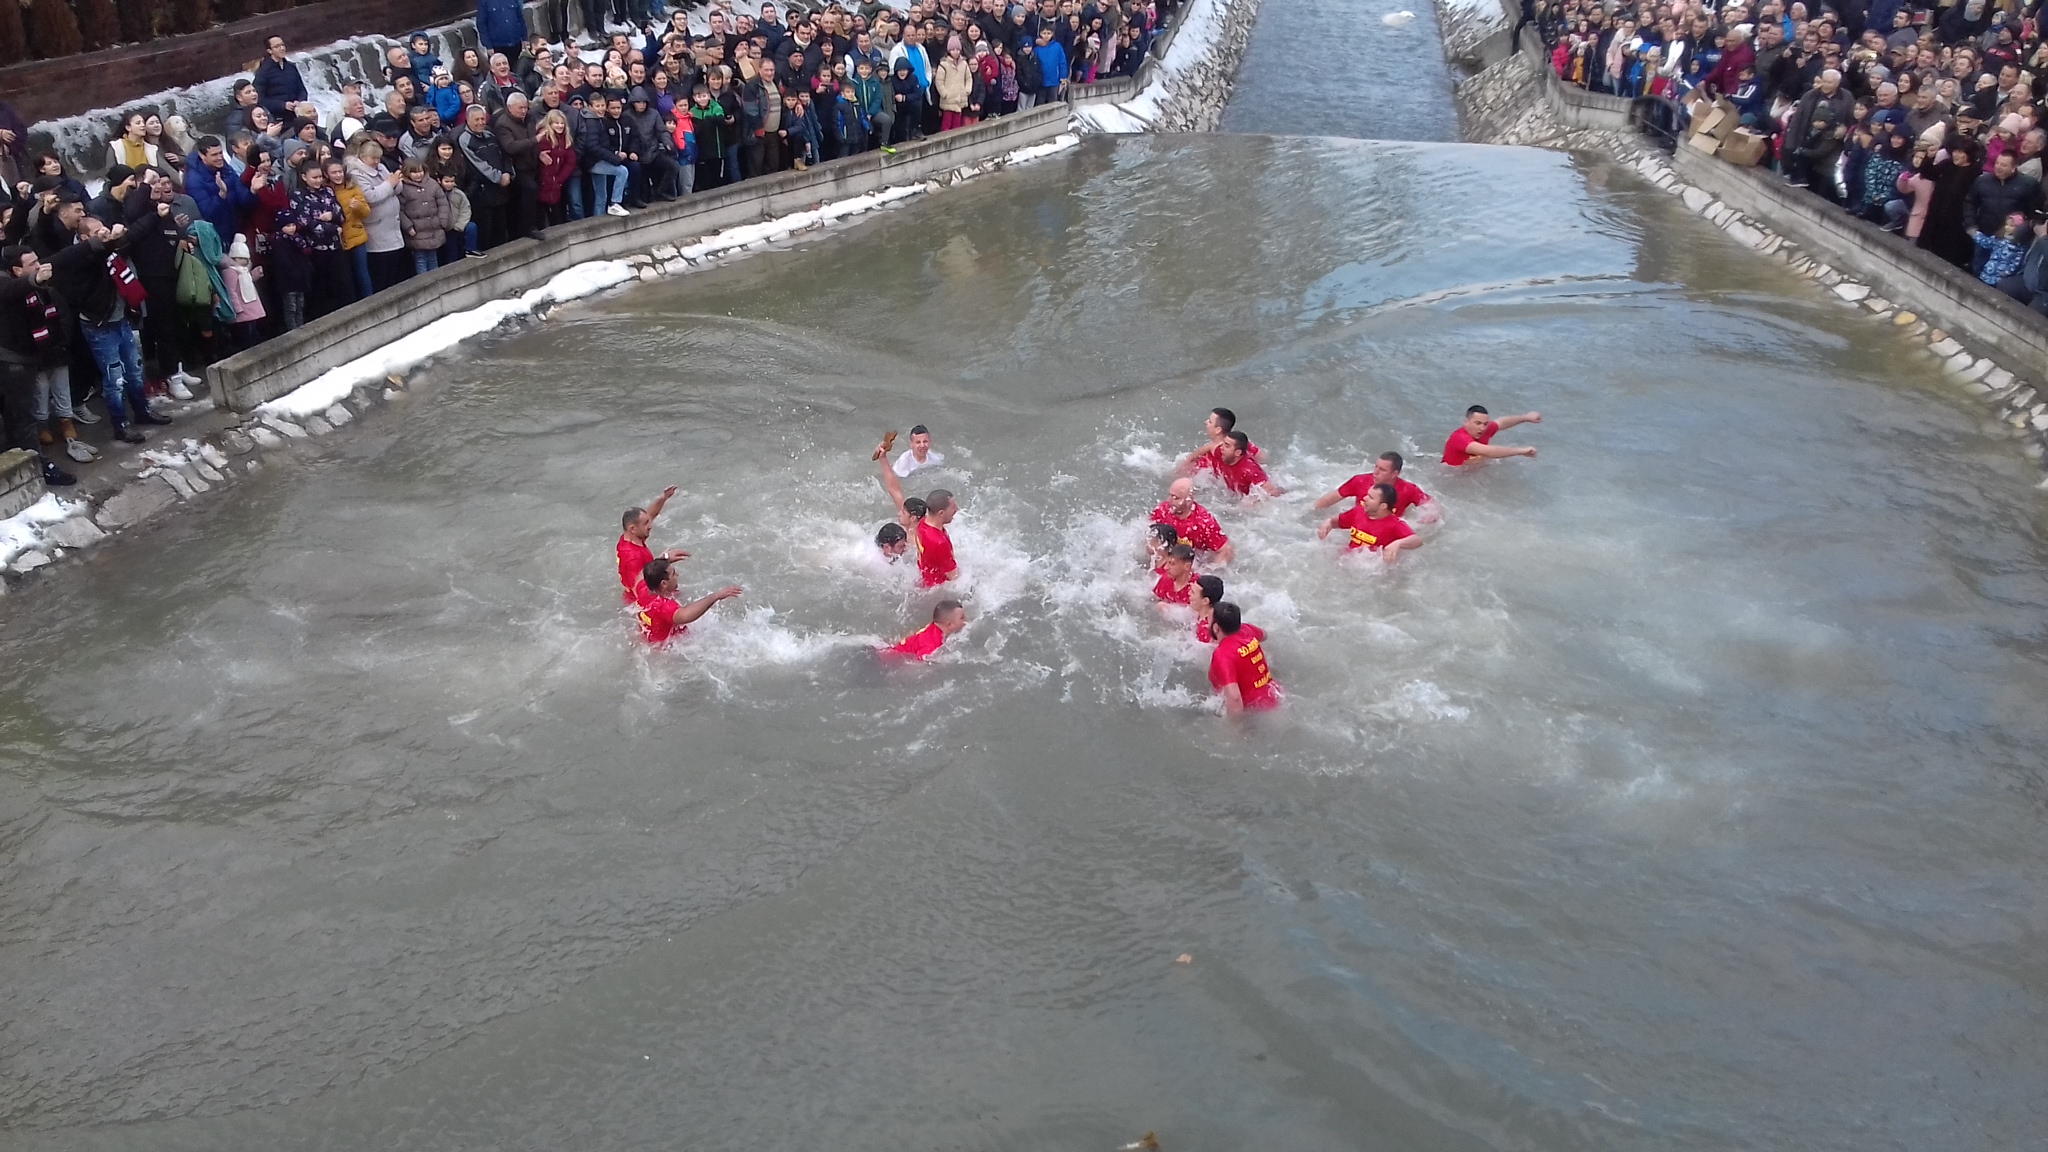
1685,792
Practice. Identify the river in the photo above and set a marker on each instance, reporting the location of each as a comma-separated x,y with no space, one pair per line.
1685,791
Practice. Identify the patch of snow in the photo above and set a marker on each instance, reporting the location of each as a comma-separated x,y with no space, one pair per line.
25,529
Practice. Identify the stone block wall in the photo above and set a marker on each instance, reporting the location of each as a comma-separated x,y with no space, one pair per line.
21,480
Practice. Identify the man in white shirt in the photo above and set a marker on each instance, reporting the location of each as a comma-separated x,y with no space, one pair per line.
919,454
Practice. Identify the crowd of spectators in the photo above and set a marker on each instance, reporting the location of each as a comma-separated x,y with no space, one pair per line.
1924,121
200,245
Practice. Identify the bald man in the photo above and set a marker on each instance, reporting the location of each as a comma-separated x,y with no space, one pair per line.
1195,526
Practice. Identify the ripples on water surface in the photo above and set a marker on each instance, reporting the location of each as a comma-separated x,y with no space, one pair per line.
1684,793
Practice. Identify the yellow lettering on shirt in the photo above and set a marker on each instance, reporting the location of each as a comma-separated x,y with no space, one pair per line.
646,621
1363,539
1250,650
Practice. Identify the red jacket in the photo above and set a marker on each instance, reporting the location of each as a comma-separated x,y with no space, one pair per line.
557,168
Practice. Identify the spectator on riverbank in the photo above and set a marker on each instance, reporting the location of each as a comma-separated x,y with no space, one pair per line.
280,90
1924,120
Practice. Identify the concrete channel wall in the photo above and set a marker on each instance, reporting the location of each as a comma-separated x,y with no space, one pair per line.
277,366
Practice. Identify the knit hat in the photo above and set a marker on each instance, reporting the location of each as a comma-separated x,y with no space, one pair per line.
118,173
239,250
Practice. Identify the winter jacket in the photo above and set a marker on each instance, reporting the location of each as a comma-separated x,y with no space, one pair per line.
599,139
645,134
152,239
2002,257
278,85
424,212
355,209
306,211
386,234
446,102
516,140
717,126
870,95
954,80
459,211
500,23
557,168
684,137
488,161
1052,66
1991,200
35,325
80,275
222,197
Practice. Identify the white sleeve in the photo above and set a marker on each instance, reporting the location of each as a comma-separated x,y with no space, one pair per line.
904,465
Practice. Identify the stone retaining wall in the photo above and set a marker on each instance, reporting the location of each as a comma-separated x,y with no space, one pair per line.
21,480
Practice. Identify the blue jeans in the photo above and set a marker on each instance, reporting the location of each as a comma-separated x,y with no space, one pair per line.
115,350
573,191
425,260
607,185
359,263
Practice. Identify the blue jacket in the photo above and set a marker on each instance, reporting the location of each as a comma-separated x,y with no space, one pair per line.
223,212
278,85
1052,64
500,22
448,102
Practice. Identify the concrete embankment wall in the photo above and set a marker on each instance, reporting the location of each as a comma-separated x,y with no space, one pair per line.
1989,345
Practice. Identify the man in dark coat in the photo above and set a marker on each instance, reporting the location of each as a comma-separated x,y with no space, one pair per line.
514,128
279,87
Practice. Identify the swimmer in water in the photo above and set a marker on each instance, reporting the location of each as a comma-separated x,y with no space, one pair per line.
1238,468
1216,426
634,554
935,563
1203,598
1385,470
1177,575
662,616
1237,669
918,455
893,541
1193,524
909,509
1374,525
1474,438
948,618
1157,541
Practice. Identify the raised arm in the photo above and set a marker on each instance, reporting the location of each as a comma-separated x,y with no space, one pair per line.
689,613
1507,422
655,506
891,483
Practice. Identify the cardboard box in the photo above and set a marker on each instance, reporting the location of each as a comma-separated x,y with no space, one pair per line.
1717,120
1706,144
1745,148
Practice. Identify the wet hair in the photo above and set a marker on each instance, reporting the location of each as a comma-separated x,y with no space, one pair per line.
938,500
1225,417
1394,458
1228,618
914,506
1387,495
1166,534
1477,410
890,534
1212,588
1243,442
654,573
919,430
940,610
1182,552
631,518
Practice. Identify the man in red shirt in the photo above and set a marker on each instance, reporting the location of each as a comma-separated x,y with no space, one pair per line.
1191,522
935,564
661,614
1177,575
634,555
1474,438
1374,525
1385,470
1237,669
1216,427
1237,467
948,617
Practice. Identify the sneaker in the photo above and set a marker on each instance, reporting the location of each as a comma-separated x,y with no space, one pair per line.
131,436
178,389
616,210
80,451
56,477
155,389
83,415
146,416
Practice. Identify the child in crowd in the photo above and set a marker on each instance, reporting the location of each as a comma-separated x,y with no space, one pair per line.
247,302
445,97
2003,252
422,59
461,222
